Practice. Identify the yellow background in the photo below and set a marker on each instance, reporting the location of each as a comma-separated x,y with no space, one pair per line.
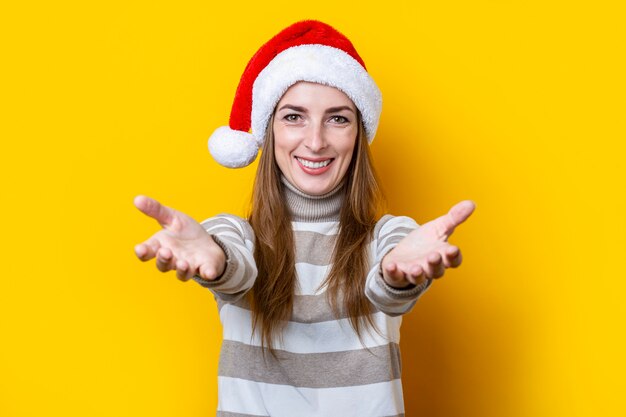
517,105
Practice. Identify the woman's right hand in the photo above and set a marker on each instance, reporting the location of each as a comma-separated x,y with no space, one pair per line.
182,244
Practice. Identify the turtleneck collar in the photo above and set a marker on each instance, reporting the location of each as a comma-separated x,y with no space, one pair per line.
313,208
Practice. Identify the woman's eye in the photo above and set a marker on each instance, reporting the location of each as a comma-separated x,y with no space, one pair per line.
339,119
292,117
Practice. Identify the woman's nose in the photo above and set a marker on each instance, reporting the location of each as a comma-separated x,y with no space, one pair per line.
316,140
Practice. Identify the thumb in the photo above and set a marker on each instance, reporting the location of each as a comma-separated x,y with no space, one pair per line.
446,224
461,211
152,208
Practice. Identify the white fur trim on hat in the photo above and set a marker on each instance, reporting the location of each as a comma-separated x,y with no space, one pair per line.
320,64
233,148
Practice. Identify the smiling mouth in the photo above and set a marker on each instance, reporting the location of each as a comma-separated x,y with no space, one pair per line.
314,164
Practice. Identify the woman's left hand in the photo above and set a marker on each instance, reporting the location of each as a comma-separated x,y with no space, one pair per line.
425,252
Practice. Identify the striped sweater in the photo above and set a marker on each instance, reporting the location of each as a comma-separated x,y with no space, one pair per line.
323,369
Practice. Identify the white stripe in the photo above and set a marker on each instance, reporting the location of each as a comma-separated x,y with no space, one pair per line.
229,218
382,244
246,252
383,250
325,228
310,277
249,397
396,234
235,223
327,336
385,242
239,396
398,221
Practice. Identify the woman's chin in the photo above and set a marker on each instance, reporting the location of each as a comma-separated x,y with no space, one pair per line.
316,186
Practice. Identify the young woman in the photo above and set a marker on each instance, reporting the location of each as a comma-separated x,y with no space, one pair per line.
311,286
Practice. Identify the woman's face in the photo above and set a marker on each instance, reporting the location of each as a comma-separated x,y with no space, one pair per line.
315,130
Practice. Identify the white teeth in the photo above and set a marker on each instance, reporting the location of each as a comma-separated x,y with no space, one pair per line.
310,164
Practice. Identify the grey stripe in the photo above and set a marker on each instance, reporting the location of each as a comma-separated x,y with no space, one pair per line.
314,248
314,309
311,370
306,309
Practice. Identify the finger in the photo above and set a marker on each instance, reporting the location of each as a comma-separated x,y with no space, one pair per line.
415,275
392,271
141,251
183,271
416,270
457,261
208,272
164,260
396,275
446,224
435,268
452,257
147,250
151,207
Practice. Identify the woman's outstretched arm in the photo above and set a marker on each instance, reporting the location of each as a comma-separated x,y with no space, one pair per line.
425,252
408,257
217,254
182,244
236,238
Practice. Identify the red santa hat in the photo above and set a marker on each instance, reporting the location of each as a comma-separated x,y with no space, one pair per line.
308,50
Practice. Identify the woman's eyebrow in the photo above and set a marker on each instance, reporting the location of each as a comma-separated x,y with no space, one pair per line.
303,110
337,109
292,107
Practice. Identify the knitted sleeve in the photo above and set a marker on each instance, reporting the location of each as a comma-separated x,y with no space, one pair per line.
236,238
389,231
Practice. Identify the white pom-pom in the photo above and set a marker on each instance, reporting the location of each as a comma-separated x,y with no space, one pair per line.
233,148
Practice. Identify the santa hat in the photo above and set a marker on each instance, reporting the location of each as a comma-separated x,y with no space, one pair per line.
308,50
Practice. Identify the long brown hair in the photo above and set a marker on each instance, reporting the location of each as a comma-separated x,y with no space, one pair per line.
272,295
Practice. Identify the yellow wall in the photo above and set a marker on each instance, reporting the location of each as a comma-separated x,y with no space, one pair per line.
518,105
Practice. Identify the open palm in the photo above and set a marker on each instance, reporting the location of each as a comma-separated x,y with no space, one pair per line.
425,252
182,244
